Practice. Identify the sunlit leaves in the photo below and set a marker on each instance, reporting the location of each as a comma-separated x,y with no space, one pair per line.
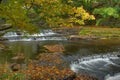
81,15
12,10
15,14
24,14
56,13
106,12
53,11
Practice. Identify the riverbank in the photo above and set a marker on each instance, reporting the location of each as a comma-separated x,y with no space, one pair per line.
100,32
90,33
55,71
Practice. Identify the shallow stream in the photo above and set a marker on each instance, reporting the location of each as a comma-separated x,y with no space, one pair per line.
98,58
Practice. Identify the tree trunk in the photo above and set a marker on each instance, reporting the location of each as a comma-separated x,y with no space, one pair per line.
0,1
6,28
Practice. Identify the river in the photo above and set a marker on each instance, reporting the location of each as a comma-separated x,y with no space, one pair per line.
99,58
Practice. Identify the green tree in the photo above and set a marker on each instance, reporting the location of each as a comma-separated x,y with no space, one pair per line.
103,10
106,13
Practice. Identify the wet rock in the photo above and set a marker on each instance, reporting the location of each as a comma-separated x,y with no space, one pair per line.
3,39
55,48
18,32
15,67
75,37
118,56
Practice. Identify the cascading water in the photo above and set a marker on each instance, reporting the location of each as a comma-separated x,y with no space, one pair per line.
103,67
43,35
115,77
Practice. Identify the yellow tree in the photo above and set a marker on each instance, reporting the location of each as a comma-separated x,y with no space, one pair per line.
14,13
23,14
56,13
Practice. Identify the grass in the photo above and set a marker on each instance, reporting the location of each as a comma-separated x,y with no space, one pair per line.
100,32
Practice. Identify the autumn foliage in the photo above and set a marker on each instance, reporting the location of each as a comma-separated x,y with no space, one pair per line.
47,73
34,70
30,15
47,66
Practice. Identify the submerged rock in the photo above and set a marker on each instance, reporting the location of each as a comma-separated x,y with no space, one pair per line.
55,48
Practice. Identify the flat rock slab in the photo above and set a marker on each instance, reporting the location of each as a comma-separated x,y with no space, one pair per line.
78,37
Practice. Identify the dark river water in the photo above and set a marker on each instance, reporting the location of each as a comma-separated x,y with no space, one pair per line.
95,57
98,58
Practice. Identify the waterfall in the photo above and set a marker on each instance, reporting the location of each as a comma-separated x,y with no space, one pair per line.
99,66
43,35
115,77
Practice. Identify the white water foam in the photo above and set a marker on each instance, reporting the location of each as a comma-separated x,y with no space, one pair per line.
42,36
98,65
115,77
42,33
86,64
39,39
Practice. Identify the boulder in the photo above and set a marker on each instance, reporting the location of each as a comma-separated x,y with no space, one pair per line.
118,55
18,32
15,67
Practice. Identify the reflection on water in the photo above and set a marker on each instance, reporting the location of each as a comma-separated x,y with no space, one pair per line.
74,50
83,48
